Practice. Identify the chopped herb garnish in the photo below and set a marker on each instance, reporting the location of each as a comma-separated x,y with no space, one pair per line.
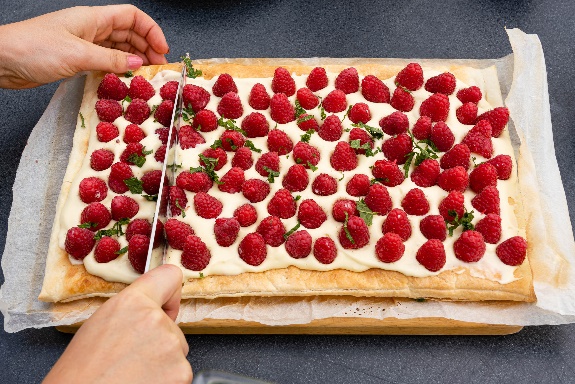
271,174
365,212
299,109
190,71
137,160
135,185
376,133
346,230
151,197
230,125
154,107
201,275
402,87
419,153
464,221
231,143
127,99
83,125
249,144
321,109
88,225
122,251
369,152
289,233
216,144
187,114
379,180
173,167
311,166
208,168
116,229
297,197
342,176
177,203
307,135
129,74
346,113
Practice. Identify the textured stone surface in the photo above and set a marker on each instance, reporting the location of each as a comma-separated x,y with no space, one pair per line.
283,28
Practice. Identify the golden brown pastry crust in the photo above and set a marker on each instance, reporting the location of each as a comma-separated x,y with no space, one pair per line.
64,282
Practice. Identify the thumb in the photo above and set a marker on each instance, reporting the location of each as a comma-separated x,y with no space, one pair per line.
164,286
98,58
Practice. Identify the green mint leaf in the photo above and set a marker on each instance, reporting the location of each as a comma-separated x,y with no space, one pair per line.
174,167
208,168
201,275
137,160
147,152
190,71
376,133
116,230
346,113
188,114
299,109
153,110
464,221
122,251
342,176
129,74
289,233
297,197
83,125
88,225
271,174
250,144
311,166
305,118
135,185
230,125
127,99
379,180
365,212
307,135
346,230
216,144
151,197
177,203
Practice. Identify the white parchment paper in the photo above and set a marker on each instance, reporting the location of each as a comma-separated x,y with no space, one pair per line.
523,81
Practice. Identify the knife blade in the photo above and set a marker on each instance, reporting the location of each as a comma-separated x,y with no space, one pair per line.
157,249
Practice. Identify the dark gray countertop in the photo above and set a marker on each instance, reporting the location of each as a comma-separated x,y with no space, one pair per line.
283,28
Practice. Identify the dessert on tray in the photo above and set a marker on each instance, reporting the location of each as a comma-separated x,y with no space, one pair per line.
296,180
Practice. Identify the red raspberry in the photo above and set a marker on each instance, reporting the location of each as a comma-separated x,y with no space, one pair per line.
431,255
503,164
282,82
343,157
281,110
196,255
101,159
359,113
177,232
178,200
357,230
452,202
470,247
189,137
306,125
324,250
343,206
282,204
467,113
217,153
232,140
426,174
159,237
363,137
151,181
378,199
331,129
195,97
298,244
108,110
232,181
118,173
394,124
487,201
255,125
279,141
483,127
207,206
347,80
252,249
243,158
397,222
442,136
226,231
317,79
397,148
335,101
138,227
483,176
96,214
469,95
106,132
324,185
79,242
111,87
387,173
307,99
194,182
132,149
436,107
512,251
255,190
458,155
138,111
162,134
310,214
138,252
271,162
259,98
433,227
374,90
124,207
106,250
410,77
415,203
224,84
296,178
272,230
164,112
305,154
490,228
168,91
141,88
358,185
160,154
230,106
133,134
443,83
246,215
422,128
453,179
498,118
92,189
478,139
205,121
402,100
389,248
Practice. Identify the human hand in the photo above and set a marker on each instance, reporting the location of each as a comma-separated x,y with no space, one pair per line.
113,38
132,338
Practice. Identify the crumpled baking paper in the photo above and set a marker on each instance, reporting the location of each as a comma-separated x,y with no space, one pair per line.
523,81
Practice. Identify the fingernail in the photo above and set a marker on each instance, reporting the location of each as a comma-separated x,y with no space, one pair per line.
134,62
